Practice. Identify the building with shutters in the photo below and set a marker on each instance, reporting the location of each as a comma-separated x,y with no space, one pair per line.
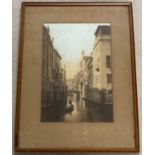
102,67
101,93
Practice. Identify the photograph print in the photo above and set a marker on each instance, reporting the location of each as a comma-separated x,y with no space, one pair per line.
76,73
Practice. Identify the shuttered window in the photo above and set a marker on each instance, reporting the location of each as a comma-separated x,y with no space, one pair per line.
109,78
109,92
108,61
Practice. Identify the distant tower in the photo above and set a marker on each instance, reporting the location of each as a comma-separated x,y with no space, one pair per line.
102,73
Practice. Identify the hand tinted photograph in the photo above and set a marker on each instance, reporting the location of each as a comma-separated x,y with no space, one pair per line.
76,73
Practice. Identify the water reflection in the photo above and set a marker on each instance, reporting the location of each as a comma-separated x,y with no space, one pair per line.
78,113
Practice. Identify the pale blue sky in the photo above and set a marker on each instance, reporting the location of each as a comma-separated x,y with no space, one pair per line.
70,40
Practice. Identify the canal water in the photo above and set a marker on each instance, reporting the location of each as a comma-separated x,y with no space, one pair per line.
86,112
79,113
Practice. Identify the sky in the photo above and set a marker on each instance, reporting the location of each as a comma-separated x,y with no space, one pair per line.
70,40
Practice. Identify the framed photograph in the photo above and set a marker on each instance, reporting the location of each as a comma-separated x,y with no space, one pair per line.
77,78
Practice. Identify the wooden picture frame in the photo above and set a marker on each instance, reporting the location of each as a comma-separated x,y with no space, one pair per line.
21,144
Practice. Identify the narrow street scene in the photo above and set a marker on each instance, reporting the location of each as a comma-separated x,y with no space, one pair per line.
76,83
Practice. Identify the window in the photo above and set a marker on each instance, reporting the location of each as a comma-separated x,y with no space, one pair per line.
109,92
109,78
108,61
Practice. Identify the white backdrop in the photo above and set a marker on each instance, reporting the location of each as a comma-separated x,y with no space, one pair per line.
15,32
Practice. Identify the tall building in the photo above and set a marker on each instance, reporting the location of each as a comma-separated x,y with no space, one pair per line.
84,74
63,70
70,85
89,71
102,69
54,90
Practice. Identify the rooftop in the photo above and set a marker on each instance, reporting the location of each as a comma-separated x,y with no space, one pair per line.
103,29
57,53
47,30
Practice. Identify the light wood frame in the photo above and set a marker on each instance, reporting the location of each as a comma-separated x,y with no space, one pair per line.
134,84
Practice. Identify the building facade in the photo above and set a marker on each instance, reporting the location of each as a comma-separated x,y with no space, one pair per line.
84,77
102,67
89,71
54,90
70,85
